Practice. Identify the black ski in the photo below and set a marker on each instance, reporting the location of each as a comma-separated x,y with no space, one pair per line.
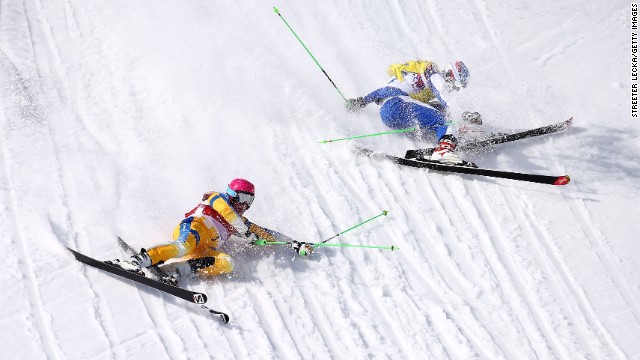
497,139
191,296
434,165
158,273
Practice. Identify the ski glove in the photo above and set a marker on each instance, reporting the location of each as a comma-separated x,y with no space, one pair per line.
472,117
251,238
356,104
302,248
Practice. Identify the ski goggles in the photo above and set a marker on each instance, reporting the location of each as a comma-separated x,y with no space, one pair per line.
242,197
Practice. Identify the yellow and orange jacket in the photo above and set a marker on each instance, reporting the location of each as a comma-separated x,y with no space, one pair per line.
215,220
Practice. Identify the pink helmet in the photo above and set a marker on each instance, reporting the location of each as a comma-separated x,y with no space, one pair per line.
242,185
241,191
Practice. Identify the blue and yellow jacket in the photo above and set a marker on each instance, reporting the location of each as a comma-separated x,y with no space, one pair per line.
413,79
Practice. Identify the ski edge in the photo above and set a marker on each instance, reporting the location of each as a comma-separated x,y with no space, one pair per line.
479,144
435,166
533,178
223,317
521,135
191,296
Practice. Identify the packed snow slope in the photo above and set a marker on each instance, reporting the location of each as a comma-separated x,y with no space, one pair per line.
117,115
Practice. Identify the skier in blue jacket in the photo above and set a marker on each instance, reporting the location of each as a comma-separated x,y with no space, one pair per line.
417,96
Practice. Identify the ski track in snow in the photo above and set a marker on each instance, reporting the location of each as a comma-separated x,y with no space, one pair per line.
536,305
36,315
604,252
69,230
502,272
98,293
442,282
530,224
483,270
320,317
558,271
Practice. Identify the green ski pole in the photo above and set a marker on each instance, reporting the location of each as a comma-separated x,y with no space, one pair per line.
383,213
309,52
263,242
368,135
377,134
392,247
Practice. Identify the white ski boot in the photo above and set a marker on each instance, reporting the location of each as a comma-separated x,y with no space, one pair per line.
445,151
134,264
174,271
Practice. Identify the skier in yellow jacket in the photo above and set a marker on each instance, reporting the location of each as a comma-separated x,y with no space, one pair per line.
196,238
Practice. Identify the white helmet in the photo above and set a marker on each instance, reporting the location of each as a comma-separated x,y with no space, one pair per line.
457,71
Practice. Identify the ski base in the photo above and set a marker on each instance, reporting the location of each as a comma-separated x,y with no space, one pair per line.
437,166
495,140
160,274
191,296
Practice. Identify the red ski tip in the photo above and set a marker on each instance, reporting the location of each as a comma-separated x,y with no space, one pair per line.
562,180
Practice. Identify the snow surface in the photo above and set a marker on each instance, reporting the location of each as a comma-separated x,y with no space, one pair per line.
117,115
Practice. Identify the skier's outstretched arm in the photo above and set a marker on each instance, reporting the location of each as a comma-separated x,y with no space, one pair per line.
374,96
266,234
302,248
